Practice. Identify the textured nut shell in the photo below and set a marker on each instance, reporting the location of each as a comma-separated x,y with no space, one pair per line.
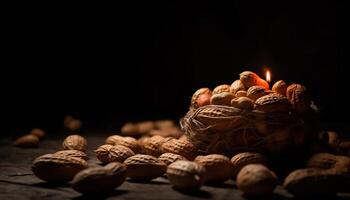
152,145
311,181
244,103
144,167
221,88
273,103
242,159
236,86
72,153
241,93
256,92
102,152
37,132
280,87
75,142
180,147
186,174
119,153
169,158
57,168
218,167
27,141
129,142
99,179
299,97
223,98
201,97
256,180
250,79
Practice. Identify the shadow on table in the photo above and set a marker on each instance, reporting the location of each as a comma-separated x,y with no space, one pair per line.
152,182
194,193
48,185
102,195
222,185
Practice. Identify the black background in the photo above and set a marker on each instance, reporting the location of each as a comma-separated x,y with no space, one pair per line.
108,64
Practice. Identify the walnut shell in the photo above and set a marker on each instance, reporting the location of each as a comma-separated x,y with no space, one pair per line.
299,97
99,179
75,142
180,147
169,158
102,152
242,159
186,174
280,87
221,88
223,98
236,86
72,153
201,98
27,141
144,167
256,180
243,103
57,168
250,79
218,167
256,92
273,103
119,153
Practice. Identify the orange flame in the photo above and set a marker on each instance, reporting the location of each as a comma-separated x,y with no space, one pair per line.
268,76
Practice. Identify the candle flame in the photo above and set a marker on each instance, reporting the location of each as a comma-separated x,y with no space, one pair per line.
268,76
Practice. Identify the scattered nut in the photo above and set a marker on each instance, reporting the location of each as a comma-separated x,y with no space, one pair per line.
57,168
256,180
75,142
72,153
241,93
250,79
37,132
186,175
144,167
236,86
130,129
256,92
169,158
180,147
242,159
119,153
99,179
27,141
129,142
102,153
218,167
299,97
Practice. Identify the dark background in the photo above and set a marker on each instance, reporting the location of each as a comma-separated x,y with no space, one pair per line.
108,64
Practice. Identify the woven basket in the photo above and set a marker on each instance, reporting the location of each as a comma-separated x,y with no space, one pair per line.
229,130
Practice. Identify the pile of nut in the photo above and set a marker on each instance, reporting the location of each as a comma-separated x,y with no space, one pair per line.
178,160
252,92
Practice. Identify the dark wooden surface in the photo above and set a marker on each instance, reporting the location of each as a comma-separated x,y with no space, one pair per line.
18,182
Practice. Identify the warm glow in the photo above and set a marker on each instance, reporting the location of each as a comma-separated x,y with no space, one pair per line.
268,76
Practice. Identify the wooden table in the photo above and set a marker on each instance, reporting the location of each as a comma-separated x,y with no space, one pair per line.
18,182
